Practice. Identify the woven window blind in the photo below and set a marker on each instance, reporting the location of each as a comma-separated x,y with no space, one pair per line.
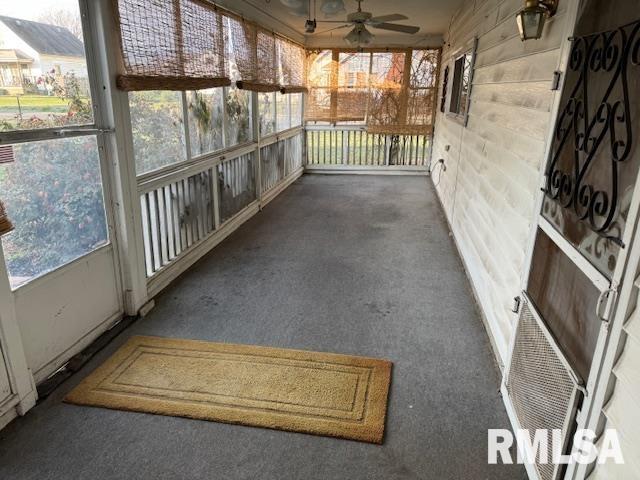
402,96
353,84
387,93
392,92
338,85
5,224
254,54
170,45
320,69
291,60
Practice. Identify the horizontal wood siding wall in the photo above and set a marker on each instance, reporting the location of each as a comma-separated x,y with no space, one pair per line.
622,409
490,180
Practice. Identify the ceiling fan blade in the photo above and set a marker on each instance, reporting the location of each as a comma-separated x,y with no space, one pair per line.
397,28
334,28
332,21
394,17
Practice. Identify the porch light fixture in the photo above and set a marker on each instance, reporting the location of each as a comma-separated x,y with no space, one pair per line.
359,36
531,18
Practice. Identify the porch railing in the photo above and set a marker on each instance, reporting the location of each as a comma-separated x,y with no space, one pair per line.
351,145
184,208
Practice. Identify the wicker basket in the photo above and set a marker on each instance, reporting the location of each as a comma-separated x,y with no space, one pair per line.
5,224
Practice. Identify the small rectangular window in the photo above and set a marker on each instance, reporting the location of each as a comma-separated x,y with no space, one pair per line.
461,84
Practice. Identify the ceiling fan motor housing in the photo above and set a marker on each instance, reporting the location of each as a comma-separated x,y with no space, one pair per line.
310,26
359,17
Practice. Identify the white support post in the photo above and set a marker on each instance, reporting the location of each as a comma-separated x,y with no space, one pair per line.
119,145
185,125
255,119
225,118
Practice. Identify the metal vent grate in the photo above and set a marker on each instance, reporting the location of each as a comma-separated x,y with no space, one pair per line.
540,384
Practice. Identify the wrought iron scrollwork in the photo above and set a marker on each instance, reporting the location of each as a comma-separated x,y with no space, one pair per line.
587,125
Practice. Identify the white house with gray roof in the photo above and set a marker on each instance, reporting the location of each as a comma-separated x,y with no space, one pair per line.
30,50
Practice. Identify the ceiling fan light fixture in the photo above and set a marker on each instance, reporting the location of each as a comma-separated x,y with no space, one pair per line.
359,36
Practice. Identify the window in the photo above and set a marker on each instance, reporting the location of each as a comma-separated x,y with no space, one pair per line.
353,84
53,194
296,109
217,118
157,127
204,108
321,71
283,112
41,91
51,186
461,84
460,87
391,91
266,104
238,112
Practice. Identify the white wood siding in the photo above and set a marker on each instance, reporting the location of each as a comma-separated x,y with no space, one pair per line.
489,187
622,410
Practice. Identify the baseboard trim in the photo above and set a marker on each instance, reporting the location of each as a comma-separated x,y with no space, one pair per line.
367,170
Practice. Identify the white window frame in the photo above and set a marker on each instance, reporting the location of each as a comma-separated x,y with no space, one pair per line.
99,128
469,50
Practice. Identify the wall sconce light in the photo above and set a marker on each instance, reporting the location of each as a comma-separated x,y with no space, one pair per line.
531,18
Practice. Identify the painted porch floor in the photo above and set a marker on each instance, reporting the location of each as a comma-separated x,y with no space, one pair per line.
361,265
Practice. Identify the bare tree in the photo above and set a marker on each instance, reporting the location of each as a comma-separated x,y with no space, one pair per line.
63,18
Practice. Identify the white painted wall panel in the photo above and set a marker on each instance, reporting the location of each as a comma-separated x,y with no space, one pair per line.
5,386
64,311
489,187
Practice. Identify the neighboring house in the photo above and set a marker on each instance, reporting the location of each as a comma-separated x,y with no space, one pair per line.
29,51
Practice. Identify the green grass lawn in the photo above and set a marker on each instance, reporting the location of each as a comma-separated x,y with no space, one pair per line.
33,103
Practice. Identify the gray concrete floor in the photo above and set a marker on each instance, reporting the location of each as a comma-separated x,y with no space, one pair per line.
360,265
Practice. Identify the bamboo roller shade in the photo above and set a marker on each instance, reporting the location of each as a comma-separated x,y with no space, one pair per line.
182,45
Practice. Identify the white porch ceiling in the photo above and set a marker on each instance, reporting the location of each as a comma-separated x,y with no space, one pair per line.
432,16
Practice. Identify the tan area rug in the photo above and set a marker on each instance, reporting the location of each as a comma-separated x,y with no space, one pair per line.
319,393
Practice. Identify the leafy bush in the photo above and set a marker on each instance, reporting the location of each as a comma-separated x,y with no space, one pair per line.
157,125
53,193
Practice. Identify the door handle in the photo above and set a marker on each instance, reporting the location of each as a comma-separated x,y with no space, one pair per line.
605,303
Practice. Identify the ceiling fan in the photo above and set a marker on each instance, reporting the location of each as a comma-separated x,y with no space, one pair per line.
360,20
